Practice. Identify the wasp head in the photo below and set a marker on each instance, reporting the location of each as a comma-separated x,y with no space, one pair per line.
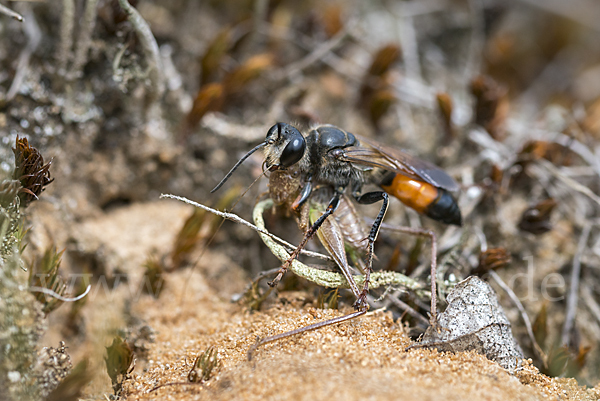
285,146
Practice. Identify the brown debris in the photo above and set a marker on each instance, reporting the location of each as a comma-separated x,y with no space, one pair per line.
30,170
376,96
492,259
536,218
490,105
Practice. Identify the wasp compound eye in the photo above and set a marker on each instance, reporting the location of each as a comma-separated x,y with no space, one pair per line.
294,150
274,133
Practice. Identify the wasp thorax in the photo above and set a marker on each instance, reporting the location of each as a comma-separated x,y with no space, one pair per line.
285,146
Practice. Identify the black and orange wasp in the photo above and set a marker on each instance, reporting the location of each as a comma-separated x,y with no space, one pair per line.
330,159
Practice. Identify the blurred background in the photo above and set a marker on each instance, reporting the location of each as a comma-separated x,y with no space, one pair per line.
503,95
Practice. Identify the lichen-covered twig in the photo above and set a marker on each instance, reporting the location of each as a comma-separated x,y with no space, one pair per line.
150,48
322,277
237,219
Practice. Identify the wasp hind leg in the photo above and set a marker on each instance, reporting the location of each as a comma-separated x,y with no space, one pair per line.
367,199
424,233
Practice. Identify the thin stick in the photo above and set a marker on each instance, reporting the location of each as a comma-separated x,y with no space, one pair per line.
150,49
591,303
523,313
407,308
7,11
34,36
582,12
176,384
573,296
316,55
569,181
65,44
85,38
237,219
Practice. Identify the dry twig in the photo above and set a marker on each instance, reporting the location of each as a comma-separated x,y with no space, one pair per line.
407,308
237,219
34,36
85,37
58,296
67,22
7,11
588,298
150,48
523,313
316,55
573,295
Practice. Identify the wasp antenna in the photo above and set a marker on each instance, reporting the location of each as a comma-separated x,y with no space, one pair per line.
247,155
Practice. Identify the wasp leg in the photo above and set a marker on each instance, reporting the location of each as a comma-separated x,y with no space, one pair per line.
311,327
333,205
366,199
304,195
424,233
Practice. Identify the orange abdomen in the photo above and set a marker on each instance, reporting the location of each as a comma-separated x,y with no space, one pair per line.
418,195
425,198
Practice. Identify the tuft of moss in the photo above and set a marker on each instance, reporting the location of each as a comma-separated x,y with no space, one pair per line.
22,322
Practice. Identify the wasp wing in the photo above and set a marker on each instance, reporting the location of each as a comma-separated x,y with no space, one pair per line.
371,153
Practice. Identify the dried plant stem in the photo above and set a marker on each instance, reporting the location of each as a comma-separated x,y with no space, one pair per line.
584,12
314,56
573,295
237,219
569,181
65,45
7,11
85,37
588,298
405,307
523,313
34,36
58,296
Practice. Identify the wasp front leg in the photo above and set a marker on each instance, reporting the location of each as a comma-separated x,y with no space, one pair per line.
333,205
367,199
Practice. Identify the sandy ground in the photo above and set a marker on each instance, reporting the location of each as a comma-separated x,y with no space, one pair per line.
361,359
